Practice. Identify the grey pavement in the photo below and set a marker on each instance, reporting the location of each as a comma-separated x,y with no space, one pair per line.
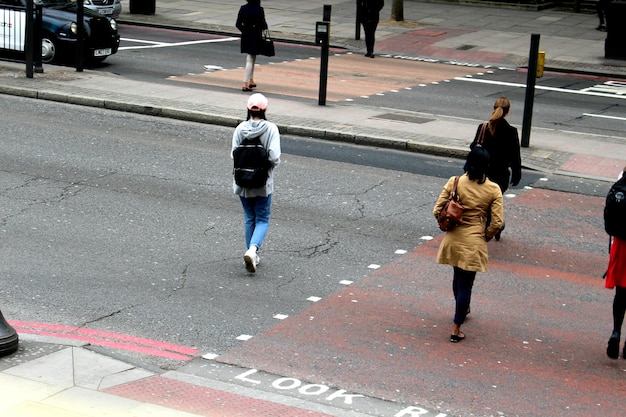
62,377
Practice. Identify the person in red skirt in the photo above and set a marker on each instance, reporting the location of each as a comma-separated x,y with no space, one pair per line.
616,278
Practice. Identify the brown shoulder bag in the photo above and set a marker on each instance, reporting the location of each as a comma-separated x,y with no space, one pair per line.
451,215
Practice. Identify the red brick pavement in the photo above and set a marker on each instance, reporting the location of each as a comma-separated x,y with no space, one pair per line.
203,401
422,43
594,165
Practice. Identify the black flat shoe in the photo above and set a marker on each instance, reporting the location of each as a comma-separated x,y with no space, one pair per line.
456,338
612,350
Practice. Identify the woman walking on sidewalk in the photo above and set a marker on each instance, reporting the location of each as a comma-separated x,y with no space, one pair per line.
501,140
369,11
251,23
465,246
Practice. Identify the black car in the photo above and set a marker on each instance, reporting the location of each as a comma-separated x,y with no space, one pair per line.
59,30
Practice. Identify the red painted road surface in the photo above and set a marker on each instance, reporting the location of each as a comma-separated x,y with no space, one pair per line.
536,337
535,345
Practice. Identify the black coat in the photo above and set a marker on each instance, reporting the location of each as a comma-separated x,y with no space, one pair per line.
370,10
251,22
504,153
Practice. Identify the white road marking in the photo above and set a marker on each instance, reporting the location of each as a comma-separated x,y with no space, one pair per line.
541,87
153,44
604,116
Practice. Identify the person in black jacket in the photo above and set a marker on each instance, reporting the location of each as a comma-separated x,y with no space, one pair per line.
251,23
369,11
501,140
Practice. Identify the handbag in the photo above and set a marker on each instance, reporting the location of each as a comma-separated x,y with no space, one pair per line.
267,44
451,215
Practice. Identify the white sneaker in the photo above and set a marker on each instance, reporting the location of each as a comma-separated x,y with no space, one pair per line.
251,259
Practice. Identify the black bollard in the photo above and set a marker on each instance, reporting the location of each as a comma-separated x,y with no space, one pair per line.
8,337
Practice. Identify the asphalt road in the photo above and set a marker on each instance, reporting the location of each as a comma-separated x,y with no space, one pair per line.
566,102
127,224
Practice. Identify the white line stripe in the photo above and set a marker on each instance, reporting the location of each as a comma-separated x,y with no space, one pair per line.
603,116
539,87
166,45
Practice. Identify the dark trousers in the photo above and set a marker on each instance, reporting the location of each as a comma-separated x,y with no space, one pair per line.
601,7
619,308
462,284
369,27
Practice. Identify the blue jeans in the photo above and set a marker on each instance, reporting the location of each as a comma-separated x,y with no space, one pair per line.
462,284
256,215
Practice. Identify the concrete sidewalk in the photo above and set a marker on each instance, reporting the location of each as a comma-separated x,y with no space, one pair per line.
51,377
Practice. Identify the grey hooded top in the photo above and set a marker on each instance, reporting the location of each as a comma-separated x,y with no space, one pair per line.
270,138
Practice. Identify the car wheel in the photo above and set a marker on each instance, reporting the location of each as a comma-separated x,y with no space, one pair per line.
48,49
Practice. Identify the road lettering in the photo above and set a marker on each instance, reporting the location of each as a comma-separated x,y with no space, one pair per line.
326,394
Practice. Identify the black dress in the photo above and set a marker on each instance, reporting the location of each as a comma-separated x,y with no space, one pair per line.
251,22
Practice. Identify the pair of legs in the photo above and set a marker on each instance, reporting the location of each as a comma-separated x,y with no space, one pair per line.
369,27
248,81
256,214
462,284
601,7
619,308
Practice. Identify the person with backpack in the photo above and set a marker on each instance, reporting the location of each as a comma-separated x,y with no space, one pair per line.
255,152
615,226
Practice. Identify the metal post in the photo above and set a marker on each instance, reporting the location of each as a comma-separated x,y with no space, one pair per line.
37,49
323,76
80,45
530,89
326,15
324,61
28,43
9,339
357,28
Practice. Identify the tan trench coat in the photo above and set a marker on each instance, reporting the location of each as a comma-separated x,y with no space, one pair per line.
465,246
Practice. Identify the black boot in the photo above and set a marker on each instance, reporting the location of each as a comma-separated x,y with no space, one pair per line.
612,349
8,337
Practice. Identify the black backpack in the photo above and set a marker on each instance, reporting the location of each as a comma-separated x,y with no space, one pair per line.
251,164
615,209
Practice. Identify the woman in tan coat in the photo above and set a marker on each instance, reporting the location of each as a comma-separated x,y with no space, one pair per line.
465,246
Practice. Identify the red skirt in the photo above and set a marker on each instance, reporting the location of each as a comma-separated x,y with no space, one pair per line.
616,274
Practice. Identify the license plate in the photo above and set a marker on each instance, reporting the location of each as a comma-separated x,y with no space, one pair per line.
102,52
106,11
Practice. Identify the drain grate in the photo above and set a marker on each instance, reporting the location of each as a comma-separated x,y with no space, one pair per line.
404,118
465,47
